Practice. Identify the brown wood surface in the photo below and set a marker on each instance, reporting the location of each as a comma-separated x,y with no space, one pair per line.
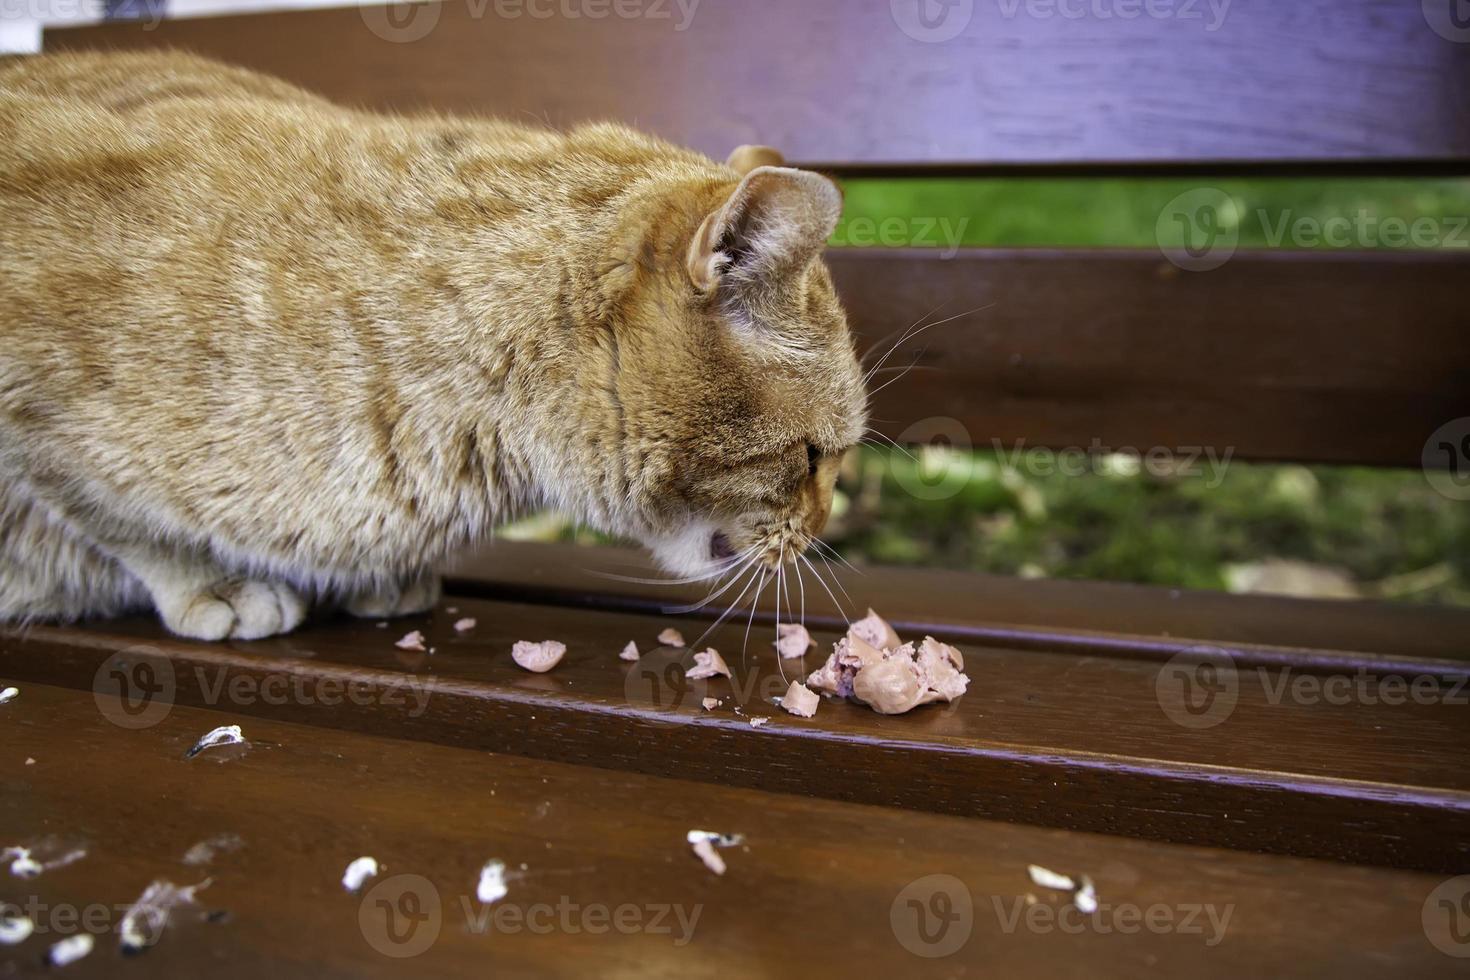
810,892
833,82
1055,739
1105,618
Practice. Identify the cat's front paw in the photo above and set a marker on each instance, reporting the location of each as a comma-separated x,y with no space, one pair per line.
240,609
404,598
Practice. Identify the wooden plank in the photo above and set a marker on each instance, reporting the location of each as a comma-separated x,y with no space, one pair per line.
835,83
1314,357
1054,739
1103,618
813,888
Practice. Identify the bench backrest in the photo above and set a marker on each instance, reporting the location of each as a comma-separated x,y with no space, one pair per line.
1338,357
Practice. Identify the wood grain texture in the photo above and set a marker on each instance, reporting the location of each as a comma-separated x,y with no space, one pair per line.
834,83
810,892
1104,618
1054,739
1327,358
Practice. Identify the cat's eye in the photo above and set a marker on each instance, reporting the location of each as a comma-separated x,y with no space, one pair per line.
813,456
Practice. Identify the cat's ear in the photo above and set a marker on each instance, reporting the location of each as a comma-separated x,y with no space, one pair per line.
776,221
744,159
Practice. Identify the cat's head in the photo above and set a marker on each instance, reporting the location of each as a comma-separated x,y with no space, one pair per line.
738,386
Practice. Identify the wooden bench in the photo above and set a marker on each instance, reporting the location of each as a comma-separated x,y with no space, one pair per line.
1326,820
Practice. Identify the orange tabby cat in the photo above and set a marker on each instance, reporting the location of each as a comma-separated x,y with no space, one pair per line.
256,348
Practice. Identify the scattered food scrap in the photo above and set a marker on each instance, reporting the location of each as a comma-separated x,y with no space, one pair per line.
1084,894
28,862
30,761
870,666
704,843
758,720
22,865
9,694
223,735
204,851
70,949
792,640
464,625
538,657
15,928
630,652
800,700
671,638
707,663
143,923
360,870
413,640
710,704
492,882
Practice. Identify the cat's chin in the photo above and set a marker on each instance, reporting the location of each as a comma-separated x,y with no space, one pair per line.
700,548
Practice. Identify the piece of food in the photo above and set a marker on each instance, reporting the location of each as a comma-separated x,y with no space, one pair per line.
758,720
710,704
411,641
876,631
464,625
671,638
1085,898
630,652
538,657
223,735
704,843
9,694
1047,878
792,640
143,923
891,679
14,927
707,663
70,949
359,871
800,700
491,887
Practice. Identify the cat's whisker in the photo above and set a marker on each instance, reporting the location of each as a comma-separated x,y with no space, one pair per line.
904,332
780,587
912,333
836,579
726,614
828,549
734,577
894,443
845,614
754,604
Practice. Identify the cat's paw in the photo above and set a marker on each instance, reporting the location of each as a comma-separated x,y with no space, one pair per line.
404,598
240,609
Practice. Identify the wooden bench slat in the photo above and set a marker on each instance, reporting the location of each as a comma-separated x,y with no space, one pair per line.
814,885
1105,618
833,82
1046,738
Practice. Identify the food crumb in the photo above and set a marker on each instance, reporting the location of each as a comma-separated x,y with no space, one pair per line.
451,609
15,928
707,663
792,640
538,657
704,842
413,640
671,638
1085,897
710,704
491,887
70,949
800,700
758,720
1047,878
360,870
630,652
223,735
8,694
464,625
143,923
30,761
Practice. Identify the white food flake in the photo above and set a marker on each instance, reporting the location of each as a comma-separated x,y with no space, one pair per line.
800,700
70,949
630,652
704,843
358,871
22,865
223,735
538,657
413,640
492,882
792,640
758,721
1086,897
145,919
464,625
15,929
9,694
707,663
1047,878
671,638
